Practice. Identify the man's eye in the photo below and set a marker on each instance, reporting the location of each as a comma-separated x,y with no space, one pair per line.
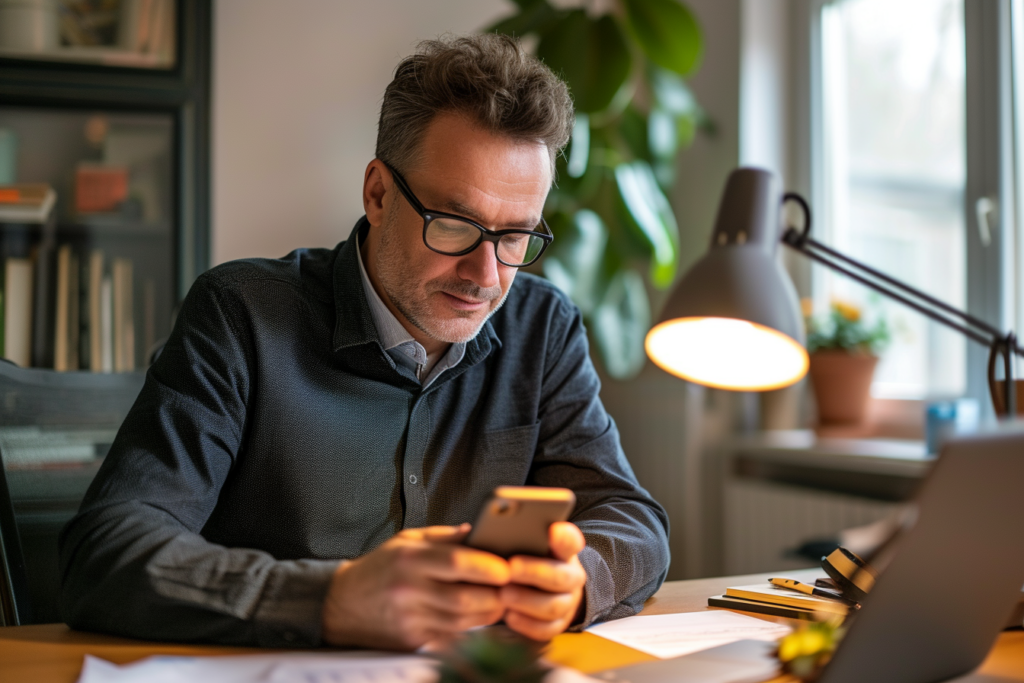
451,228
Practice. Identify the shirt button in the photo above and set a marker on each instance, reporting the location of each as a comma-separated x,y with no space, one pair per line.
412,479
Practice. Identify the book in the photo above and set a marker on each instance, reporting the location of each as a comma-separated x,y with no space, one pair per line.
124,320
776,595
742,605
106,325
18,310
26,202
44,305
94,292
60,326
74,317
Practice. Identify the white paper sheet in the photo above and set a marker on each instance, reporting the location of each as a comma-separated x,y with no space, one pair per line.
674,635
355,667
279,668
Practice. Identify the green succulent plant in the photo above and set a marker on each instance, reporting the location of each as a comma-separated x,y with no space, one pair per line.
614,228
490,656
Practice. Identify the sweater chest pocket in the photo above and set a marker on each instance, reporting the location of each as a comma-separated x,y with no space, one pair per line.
507,455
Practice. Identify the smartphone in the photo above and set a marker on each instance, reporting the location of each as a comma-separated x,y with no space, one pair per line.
515,519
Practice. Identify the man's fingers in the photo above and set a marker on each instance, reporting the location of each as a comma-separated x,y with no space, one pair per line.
535,629
455,563
449,534
547,574
441,621
462,598
565,539
446,534
539,604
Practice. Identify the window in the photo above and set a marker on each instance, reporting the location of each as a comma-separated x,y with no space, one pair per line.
893,160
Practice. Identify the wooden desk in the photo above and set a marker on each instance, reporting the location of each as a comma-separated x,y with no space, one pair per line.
52,653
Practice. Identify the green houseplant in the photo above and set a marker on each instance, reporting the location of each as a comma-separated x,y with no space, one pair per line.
613,225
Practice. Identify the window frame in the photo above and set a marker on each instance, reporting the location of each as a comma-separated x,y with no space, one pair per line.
992,272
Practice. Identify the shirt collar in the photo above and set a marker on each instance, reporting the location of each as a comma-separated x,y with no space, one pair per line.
353,317
393,334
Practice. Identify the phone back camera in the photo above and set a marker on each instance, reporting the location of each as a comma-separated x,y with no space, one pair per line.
503,508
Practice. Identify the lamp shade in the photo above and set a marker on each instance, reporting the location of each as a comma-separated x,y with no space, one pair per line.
733,321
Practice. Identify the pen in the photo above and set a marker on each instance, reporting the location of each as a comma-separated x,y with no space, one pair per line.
793,584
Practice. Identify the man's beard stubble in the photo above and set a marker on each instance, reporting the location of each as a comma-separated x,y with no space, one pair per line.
401,286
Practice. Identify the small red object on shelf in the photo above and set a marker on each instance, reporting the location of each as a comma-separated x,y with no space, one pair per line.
100,189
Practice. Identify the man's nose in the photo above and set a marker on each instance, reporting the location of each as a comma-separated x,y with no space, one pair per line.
481,265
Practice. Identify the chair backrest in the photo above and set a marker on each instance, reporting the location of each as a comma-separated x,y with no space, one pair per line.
55,429
14,604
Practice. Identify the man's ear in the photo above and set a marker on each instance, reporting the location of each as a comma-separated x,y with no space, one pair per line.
375,192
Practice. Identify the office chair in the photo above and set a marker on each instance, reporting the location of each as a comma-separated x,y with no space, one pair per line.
14,603
55,428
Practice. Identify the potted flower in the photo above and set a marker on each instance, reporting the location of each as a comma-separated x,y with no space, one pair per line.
843,350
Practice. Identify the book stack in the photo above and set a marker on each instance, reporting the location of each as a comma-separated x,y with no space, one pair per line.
21,206
93,313
26,202
779,602
62,308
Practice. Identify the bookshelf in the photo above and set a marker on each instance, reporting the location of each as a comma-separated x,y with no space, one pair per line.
121,135
124,143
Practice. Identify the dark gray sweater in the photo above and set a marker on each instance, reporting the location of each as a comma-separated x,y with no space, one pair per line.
274,436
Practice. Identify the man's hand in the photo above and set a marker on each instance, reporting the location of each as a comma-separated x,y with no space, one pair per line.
543,594
419,586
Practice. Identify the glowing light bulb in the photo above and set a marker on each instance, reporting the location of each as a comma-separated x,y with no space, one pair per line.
726,353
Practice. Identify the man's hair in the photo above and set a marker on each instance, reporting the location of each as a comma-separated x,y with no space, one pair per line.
489,78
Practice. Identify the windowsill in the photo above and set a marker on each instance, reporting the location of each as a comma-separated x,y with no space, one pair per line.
881,469
886,419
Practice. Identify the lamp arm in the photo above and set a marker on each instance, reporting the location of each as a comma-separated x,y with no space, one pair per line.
900,297
999,343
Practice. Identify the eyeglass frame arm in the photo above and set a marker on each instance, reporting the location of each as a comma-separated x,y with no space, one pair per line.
998,342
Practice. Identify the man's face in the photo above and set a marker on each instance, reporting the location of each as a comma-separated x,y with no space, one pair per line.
466,171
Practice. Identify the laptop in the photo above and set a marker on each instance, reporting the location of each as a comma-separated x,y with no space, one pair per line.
939,603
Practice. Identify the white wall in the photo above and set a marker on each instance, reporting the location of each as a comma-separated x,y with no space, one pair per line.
296,94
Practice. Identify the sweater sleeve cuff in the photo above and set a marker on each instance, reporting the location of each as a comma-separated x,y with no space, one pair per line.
291,607
599,592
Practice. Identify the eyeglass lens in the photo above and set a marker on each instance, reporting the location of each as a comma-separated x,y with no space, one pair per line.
450,236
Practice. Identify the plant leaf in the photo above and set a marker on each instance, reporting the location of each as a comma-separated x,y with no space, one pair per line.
620,323
672,93
649,211
579,149
535,16
590,54
633,128
667,32
662,136
575,264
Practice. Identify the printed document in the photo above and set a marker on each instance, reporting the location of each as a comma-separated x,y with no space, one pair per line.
277,668
675,635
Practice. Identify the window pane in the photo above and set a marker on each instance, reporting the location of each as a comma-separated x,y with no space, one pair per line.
894,173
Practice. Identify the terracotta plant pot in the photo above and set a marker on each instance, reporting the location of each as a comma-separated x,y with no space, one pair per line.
842,385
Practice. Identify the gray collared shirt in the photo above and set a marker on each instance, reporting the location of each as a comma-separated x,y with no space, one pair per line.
397,341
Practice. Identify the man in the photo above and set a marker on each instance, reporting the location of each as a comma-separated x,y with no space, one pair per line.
301,462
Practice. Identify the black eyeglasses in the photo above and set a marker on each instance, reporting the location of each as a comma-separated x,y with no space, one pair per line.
453,235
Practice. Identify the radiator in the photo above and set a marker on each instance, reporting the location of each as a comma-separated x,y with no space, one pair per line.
763,520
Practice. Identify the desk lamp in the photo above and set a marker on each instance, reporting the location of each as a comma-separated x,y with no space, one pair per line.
733,321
